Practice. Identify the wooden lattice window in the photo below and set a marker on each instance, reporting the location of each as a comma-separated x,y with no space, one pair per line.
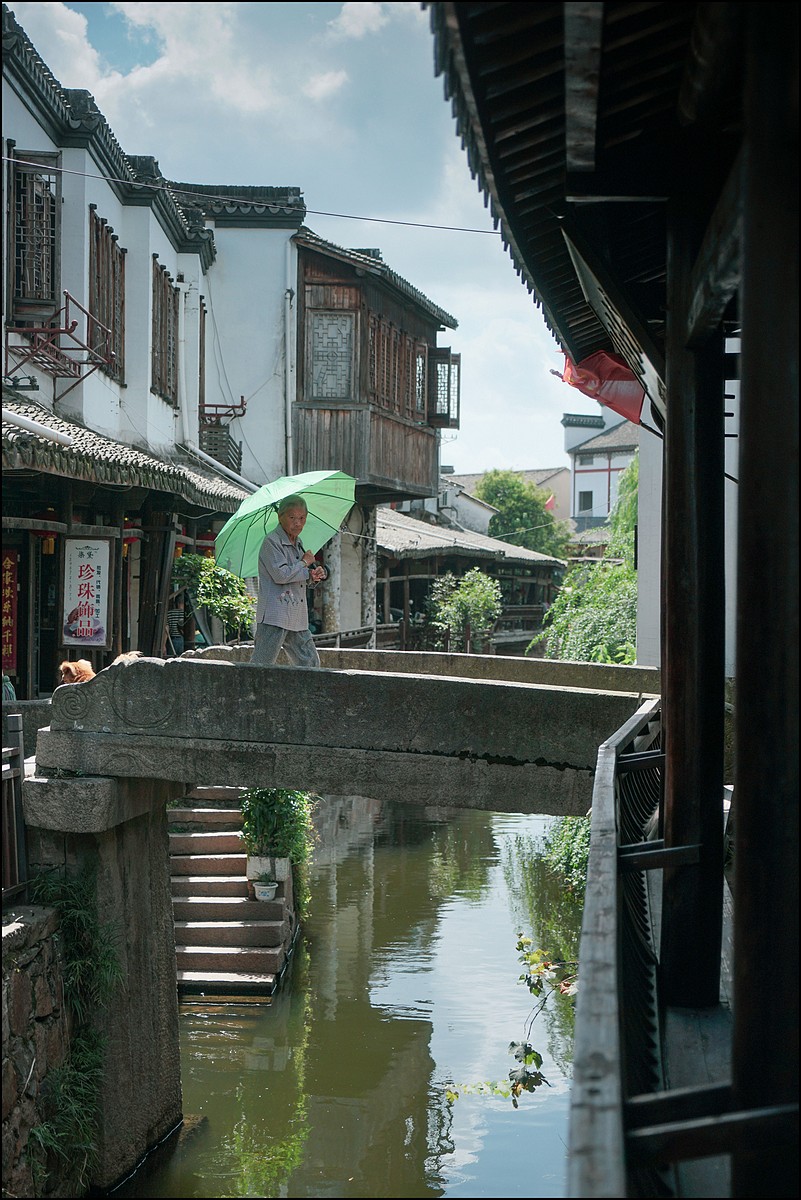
35,242
164,353
331,349
443,395
408,378
107,293
421,380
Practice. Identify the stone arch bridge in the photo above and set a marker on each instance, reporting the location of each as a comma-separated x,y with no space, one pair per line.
471,732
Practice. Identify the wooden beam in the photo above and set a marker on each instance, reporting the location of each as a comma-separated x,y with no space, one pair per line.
766,782
715,275
693,646
583,34
764,1129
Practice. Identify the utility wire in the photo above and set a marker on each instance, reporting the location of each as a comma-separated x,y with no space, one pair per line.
249,200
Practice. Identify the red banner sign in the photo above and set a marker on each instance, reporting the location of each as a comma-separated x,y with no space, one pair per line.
10,626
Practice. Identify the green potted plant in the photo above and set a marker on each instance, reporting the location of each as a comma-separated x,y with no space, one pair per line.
278,836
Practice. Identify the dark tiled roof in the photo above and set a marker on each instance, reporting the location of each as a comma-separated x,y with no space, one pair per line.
103,460
367,261
405,537
624,436
539,477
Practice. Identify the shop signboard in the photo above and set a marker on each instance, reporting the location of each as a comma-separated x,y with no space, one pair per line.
87,593
10,627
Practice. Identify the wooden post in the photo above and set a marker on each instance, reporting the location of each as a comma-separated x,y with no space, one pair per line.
693,649
766,777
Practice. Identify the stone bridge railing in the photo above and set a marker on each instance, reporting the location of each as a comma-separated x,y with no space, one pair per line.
418,738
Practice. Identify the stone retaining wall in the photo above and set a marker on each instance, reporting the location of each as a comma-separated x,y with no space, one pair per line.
36,1038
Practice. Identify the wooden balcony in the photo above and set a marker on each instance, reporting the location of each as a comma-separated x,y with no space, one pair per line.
390,457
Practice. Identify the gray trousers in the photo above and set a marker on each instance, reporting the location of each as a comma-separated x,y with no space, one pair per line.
298,646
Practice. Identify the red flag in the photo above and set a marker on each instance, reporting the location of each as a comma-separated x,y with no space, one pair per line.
608,379
550,503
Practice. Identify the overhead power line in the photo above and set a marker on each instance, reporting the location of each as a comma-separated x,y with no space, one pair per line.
315,212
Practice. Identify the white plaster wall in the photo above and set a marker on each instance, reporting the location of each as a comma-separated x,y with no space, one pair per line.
245,292
649,551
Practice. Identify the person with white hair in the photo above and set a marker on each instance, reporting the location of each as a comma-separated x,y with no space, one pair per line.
285,571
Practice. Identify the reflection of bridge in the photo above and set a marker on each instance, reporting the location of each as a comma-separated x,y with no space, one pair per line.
119,748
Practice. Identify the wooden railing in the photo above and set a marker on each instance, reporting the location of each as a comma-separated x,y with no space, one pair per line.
15,875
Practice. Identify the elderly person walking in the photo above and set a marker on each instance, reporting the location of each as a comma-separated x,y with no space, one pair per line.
285,569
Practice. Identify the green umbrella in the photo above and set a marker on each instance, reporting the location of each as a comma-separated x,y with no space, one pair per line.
329,498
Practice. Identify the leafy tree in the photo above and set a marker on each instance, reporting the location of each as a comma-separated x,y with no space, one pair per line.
594,616
465,610
522,518
220,592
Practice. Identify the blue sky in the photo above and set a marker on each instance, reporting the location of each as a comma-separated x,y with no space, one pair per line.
341,101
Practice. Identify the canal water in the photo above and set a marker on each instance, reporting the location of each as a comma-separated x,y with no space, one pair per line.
366,1075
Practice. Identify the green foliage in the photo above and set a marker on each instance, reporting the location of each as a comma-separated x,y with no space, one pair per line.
566,849
69,1102
277,823
594,616
623,518
465,609
91,966
522,518
220,592
92,974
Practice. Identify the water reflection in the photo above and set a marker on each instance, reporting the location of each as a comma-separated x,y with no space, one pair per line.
404,984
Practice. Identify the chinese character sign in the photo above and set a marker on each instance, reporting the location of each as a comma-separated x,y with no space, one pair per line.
87,580
10,571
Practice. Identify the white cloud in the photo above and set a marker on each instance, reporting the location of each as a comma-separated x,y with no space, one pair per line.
320,87
357,20
59,34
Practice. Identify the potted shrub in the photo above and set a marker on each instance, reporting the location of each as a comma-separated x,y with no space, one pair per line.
278,836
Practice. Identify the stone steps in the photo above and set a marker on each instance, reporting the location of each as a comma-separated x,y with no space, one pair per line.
209,864
201,842
207,886
248,960
238,934
225,908
235,986
227,943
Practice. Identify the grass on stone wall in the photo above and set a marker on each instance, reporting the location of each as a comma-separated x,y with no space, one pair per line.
66,1136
